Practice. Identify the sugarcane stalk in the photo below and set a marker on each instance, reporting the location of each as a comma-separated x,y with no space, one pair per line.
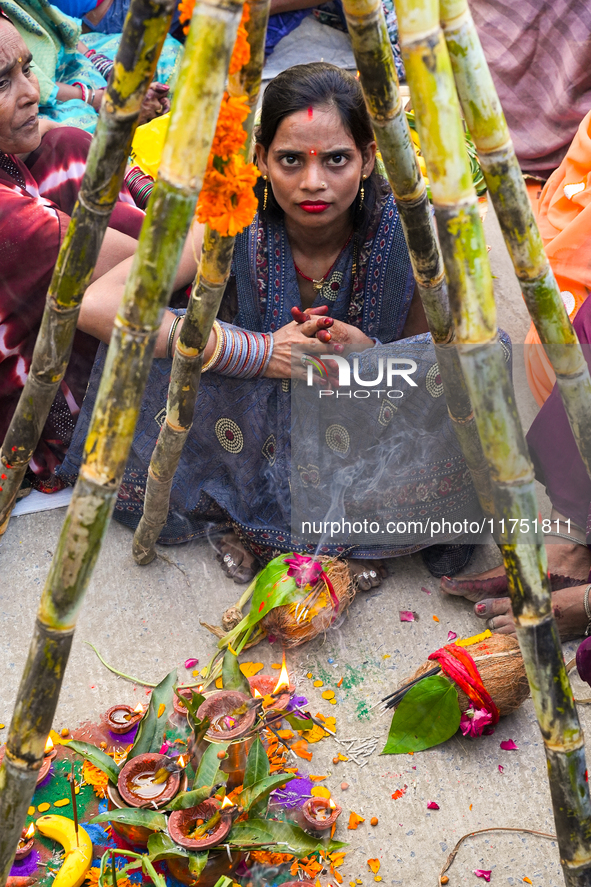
135,64
430,77
486,122
377,71
149,285
206,295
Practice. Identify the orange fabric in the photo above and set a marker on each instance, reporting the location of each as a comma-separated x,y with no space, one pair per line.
565,226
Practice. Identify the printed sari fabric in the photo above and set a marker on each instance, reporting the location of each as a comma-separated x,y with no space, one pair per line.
35,206
538,52
52,38
236,467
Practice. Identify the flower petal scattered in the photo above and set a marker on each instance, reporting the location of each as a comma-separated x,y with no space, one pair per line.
432,806
481,873
354,821
509,745
407,616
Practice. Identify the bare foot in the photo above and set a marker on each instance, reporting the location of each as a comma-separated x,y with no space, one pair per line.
369,574
568,565
567,606
236,562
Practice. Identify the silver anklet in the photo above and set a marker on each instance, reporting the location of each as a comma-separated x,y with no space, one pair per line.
587,610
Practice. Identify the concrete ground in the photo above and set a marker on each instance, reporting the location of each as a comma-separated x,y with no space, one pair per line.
146,620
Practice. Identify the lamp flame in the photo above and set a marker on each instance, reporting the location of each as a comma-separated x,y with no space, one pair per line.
48,745
29,832
332,804
282,684
139,709
181,761
257,695
226,803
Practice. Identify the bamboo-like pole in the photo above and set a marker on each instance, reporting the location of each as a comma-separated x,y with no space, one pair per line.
208,289
170,212
486,122
430,77
375,61
145,30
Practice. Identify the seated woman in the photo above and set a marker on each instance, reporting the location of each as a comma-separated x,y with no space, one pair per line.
72,84
326,238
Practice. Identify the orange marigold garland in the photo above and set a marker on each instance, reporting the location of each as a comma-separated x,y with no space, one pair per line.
227,202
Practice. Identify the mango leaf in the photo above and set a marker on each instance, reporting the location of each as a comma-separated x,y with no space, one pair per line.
427,715
134,816
257,764
273,588
184,800
296,722
97,757
193,704
261,790
152,728
232,677
163,847
208,772
291,837
197,862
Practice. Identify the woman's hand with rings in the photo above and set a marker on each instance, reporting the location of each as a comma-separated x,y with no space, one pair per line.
302,335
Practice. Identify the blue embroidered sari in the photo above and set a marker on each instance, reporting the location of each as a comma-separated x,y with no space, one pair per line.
236,467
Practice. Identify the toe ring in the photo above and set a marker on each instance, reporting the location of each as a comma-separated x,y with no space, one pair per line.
373,574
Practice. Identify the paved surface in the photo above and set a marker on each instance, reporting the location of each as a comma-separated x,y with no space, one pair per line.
146,620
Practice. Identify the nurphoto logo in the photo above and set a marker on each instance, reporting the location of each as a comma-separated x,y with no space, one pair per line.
388,369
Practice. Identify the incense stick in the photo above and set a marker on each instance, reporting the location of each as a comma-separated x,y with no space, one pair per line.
74,803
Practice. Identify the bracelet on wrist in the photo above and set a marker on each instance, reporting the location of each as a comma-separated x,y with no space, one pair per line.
171,334
240,353
219,344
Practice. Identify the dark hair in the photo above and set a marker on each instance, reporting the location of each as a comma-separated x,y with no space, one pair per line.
314,85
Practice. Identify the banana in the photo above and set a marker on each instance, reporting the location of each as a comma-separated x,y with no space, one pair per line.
78,858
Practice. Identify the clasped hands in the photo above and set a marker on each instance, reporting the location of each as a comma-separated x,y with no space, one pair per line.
316,334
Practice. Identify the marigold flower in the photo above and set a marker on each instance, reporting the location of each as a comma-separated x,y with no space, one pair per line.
241,53
96,778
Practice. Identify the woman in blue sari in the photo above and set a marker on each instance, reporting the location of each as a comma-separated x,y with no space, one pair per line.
327,241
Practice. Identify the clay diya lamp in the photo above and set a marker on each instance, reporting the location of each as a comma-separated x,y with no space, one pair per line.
182,822
228,726
50,754
137,785
177,704
123,718
318,815
265,685
25,844
138,835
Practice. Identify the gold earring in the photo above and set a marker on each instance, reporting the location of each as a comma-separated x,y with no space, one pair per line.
362,193
265,192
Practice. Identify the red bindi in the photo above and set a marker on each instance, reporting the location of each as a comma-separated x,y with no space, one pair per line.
312,151
310,113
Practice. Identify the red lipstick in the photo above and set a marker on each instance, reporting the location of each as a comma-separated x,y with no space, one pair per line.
314,206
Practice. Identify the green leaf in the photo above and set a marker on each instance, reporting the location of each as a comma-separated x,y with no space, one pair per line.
197,862
134,816
152,728
257,764
291,837
427,715
273,588
224,881
299,723
259,792
208,772
97,757
232,677
193,704
163,847
184,800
